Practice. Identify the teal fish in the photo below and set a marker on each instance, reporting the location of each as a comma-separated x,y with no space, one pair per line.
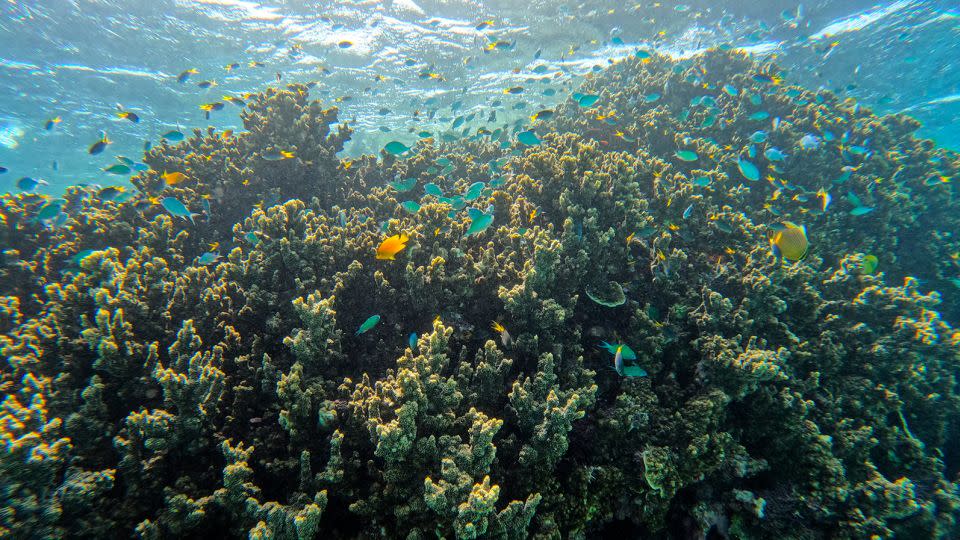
861,210
651,98
774,154
730,90
176,208
474,191
50,209
433,189
748,170
252,238
702,181
758,137
404,185
368,324
759,115
411,206
528,138
686,155
479,221
412,340
587,100
396,148
688,212
208,258
117,168
173,135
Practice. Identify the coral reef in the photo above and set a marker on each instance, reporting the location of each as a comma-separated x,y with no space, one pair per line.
147,394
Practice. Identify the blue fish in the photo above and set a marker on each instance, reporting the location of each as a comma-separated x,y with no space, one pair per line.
412,340
176,208
774,154
758,137
368,324
688,212
208,258
479,221
810,142
29,184
252,238
50,209
748,170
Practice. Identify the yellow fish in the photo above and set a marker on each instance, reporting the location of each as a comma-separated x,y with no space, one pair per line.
789,241
391,246
173,178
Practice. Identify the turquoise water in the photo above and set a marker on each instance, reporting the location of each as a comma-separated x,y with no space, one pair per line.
79,60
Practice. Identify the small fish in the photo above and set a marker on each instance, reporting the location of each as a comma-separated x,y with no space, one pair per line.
252,238
528,138
389,248
505,338
207,84
51,123
174,178
99,146
50,209
433,189
618,360
758,137
869,264
3,170
748,170
232,66
688,212
110,193
176,208
235,100
183,76
789,241
810,142
411,207
588,100
396,148
368,324
861,210
545,114
216,106
686,155
345,44
479,221
117,168
29,184
131,116
412,341
773,154
275,154
208,258
173,135
403,186
825,199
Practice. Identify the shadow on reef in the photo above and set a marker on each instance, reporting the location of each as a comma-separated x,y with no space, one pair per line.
150,392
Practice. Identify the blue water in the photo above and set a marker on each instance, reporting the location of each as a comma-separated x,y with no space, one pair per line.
80,59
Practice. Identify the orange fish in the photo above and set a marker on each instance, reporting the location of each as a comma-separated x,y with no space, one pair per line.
173,178
391,246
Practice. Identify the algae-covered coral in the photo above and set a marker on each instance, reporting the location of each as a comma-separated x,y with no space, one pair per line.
151,393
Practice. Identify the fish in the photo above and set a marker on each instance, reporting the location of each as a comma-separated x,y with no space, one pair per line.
618,360
588,100
110,193
208,258
99,146
231,66
368,324
275,154
131,116
479,221
686,155
810,142
774,154
3,169
215,106
789,241
688,212
235,100
184,75
505,338
433,189
173,135
51,123
404,185
389,248
396,148
702,181
825,199
345,44
412,340
252,238
528,138
176,208
410,206
50,209
748,170
544,114
29,184
174,178
207,84
861,210
117,168
758,137
869,264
